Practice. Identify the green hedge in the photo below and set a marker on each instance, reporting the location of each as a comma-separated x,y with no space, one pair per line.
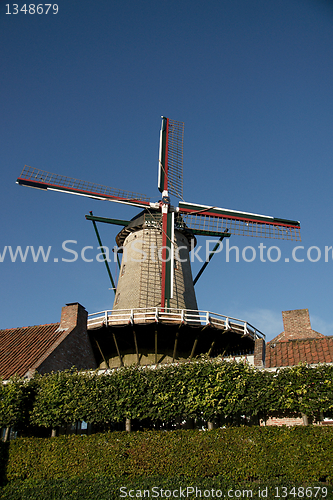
202,389
105,488
295,455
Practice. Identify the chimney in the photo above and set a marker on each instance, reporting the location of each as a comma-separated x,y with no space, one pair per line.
259,353
73,315
296,324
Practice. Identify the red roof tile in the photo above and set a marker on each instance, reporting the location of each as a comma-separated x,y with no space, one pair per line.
21,348
310,351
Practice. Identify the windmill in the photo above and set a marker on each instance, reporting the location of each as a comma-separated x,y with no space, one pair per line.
163,279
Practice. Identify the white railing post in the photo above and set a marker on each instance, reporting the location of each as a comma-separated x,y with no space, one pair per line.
131,319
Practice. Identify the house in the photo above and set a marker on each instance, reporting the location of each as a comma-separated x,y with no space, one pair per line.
298,343
46,348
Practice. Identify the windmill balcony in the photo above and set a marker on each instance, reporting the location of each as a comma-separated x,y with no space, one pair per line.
172,316
155,335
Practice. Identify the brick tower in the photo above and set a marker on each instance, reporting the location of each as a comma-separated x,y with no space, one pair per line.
139,284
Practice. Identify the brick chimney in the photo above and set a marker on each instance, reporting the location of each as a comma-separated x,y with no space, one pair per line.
259,353
297,326
73,315
72,347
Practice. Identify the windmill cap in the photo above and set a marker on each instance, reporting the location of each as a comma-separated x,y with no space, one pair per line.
138,222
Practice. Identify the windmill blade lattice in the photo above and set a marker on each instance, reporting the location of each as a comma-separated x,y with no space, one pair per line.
207,220
41,179
175,158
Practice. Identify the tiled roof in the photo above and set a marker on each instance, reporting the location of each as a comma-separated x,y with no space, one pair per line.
21,348
311,351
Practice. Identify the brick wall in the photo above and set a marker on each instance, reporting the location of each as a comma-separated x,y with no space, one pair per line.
73,348
279,421
291,420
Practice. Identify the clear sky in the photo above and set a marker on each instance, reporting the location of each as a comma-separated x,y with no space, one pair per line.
82,92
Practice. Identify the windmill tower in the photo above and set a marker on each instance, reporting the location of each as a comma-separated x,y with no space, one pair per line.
155,304
140,277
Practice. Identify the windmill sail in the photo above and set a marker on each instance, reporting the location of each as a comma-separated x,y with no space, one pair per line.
170,167
40,179
207,220
175,158
163,157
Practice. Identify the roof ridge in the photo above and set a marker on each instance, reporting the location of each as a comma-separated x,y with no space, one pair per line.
31,326
311,338
273,341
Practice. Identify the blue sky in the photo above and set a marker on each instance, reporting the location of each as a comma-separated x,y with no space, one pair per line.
82,92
